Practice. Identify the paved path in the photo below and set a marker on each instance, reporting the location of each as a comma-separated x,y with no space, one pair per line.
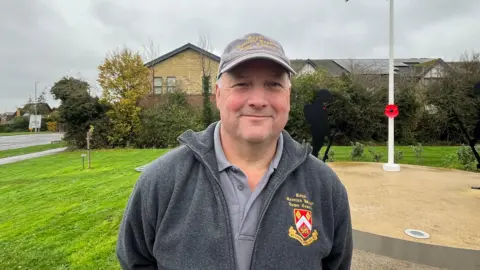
363,260
21,141
29,156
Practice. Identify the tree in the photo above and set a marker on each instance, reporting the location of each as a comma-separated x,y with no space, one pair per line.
206,64
41,97
33,104
125,82
409,104
151,51
69,87
207,67
78,110
453,95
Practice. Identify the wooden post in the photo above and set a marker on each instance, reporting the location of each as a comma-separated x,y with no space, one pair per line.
83,161
89,134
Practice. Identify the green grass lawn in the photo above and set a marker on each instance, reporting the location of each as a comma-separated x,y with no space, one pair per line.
30,149
54,215
431,156
22,133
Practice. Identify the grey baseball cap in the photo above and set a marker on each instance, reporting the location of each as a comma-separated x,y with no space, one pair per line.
253,46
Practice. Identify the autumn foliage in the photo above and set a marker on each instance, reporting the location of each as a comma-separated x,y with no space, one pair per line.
125,82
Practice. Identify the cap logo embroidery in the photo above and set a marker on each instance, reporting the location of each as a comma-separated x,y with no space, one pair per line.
256,41
303,220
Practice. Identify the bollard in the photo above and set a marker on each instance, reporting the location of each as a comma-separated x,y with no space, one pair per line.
83,161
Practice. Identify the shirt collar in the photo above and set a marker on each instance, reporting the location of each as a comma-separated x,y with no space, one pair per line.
222,161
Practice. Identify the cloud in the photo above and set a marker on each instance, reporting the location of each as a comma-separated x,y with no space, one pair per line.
43,40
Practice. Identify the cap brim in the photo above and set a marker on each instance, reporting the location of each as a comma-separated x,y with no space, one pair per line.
258,55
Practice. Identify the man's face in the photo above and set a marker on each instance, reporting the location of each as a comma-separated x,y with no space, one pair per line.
254,100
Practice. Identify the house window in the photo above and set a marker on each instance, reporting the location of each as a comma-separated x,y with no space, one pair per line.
158,85
171,82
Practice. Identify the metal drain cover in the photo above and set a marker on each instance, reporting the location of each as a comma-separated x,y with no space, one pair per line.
417,234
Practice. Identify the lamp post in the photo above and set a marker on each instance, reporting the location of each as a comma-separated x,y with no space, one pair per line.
35,117
390,165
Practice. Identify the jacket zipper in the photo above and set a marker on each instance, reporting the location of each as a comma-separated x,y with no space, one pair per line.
269,199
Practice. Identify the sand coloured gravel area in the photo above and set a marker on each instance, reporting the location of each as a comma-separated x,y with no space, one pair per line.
362,260
435,200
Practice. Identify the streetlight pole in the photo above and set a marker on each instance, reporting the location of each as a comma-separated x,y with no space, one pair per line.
36,128
390,165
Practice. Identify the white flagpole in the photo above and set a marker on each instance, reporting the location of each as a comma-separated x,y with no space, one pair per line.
391,166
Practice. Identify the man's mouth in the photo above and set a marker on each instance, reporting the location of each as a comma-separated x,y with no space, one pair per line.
256,116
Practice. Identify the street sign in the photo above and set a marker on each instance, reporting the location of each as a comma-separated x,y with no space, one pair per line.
35,121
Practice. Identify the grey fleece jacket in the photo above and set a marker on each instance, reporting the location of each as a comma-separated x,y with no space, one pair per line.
177,217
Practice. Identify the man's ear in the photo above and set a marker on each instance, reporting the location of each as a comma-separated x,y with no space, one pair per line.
217,93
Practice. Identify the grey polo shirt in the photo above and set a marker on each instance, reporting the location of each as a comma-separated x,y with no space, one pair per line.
243,204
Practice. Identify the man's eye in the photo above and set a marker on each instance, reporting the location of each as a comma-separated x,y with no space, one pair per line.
274,85
241,85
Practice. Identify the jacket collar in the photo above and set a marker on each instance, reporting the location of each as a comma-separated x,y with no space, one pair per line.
202,144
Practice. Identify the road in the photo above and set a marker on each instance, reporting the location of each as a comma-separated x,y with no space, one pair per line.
21,141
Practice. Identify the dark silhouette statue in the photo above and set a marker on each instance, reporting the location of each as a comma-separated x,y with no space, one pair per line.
317,118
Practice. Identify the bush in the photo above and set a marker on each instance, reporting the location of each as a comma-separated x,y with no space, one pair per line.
449,160
376,156
398,156
331,155
466,158
357,151
19,123
102,128
162,124
78,114
52,126
418,150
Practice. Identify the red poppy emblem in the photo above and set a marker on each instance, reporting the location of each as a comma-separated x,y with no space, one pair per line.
391,111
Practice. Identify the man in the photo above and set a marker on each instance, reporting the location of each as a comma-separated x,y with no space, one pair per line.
242,194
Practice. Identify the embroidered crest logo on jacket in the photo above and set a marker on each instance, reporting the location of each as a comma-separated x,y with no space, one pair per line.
303,220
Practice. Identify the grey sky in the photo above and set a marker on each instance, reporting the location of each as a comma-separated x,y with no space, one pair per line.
43,40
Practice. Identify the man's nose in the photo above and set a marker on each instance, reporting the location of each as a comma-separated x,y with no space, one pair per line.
257,97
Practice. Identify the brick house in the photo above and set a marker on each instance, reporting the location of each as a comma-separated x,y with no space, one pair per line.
182,70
